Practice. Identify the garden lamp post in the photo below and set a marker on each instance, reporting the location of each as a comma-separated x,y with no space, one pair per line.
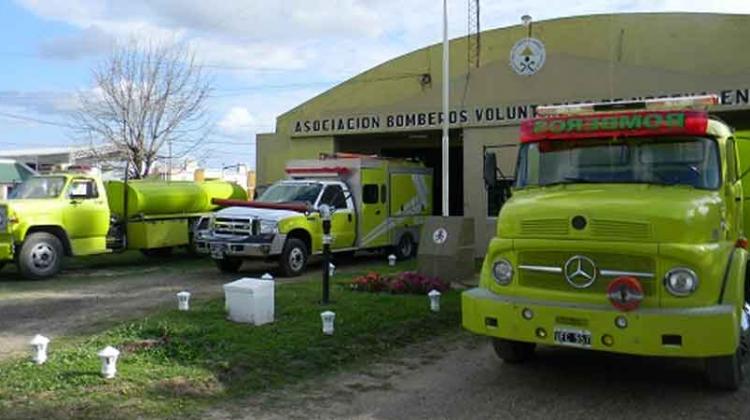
39,349
325,215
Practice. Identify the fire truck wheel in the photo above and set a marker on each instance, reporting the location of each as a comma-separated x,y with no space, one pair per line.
41,256
725,372
229,265
2,265
293,258
513,352
406,247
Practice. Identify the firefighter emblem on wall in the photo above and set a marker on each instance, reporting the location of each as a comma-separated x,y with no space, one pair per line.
439,236
527,56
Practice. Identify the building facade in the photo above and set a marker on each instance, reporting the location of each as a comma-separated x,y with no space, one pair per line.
394,109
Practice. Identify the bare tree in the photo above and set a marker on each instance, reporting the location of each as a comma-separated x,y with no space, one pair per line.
145,98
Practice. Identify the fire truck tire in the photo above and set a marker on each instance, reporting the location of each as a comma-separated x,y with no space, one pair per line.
40,256
2,265
293,258
406,247
513,352
725,372
229,265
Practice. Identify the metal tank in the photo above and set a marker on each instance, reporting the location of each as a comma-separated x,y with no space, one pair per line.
156,198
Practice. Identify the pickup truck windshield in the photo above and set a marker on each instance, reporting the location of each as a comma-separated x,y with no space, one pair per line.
39,187
291,192
691,161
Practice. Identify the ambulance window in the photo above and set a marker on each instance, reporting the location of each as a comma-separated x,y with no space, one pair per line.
731,161
334,196
370,194
383,193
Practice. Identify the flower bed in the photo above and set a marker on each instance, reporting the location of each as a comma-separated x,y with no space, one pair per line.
406,282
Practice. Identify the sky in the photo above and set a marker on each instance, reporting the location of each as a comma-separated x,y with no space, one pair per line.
264,56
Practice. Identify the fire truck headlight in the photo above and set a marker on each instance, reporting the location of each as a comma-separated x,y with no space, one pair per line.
268,226
681,281
502,270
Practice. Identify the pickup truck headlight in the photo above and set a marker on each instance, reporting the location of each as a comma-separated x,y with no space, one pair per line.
502,270
268,226
681,281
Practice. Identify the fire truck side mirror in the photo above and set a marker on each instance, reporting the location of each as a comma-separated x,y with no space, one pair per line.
490,169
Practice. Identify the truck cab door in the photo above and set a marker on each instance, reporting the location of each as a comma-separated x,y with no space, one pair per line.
374,230
343,220
86,216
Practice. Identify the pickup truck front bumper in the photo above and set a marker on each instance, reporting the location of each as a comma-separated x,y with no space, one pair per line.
679,332
6,248
256,246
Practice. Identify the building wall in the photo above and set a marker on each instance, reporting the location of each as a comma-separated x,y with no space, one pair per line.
588,58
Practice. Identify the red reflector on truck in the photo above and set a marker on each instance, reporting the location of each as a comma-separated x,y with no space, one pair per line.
624,124
625,293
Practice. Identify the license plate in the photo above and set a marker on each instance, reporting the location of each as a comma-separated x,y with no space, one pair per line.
572,337
217,251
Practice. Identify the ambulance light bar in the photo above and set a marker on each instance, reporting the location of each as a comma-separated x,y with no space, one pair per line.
335,170
698,102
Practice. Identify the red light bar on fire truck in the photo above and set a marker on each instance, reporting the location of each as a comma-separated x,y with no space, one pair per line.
698,102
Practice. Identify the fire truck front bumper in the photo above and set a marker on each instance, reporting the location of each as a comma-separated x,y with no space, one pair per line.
257,246
6,247
679,332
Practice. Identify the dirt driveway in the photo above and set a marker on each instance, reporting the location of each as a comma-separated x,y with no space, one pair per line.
95,292
459,377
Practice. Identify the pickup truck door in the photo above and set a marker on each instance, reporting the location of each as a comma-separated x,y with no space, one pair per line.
86,215
343,221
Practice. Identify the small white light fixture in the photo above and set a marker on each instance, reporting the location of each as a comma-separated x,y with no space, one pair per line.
527,314
266,276
434,300
39,349
328,318
331,269
392,260
109,357
183,300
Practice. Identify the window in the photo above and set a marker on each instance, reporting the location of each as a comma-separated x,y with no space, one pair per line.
370,194
732,170
39,187
83,188
383,193
334,197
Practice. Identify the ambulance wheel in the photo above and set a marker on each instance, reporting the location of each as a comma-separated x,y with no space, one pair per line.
513,352
2,265
293,258
406,247
40,256
229,265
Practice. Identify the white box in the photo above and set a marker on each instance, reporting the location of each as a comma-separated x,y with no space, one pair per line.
250,300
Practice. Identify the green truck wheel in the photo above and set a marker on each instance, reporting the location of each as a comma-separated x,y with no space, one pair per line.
41,256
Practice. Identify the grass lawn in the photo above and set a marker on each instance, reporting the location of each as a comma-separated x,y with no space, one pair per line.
174,362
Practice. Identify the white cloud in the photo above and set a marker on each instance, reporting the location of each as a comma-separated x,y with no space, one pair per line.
237,121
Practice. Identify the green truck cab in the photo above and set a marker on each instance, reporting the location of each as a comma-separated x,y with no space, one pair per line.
626,233
376,202
74,214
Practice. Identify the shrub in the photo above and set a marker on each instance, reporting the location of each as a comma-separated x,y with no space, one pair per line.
406,282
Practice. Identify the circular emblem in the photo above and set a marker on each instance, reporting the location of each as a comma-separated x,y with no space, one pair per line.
580,271
625,293
439,236
527,56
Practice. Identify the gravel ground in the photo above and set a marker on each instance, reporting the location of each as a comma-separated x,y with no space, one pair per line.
460,378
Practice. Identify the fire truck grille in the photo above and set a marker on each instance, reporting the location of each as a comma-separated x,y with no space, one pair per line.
620,229
544,227
544,270
228,226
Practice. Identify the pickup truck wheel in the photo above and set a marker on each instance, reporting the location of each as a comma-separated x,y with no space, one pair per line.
293,258
40,256
725,372
406,247
229,265
513,352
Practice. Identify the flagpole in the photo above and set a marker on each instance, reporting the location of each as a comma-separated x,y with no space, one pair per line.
446,112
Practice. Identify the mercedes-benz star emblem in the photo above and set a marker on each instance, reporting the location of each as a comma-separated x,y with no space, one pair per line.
580,271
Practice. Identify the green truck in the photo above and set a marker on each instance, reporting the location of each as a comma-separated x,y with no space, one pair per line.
75,214
626,232
377,202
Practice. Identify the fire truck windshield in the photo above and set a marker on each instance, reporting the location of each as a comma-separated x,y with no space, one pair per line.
690,161
286,192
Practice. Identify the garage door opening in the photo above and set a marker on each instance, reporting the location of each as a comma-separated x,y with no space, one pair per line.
423,146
